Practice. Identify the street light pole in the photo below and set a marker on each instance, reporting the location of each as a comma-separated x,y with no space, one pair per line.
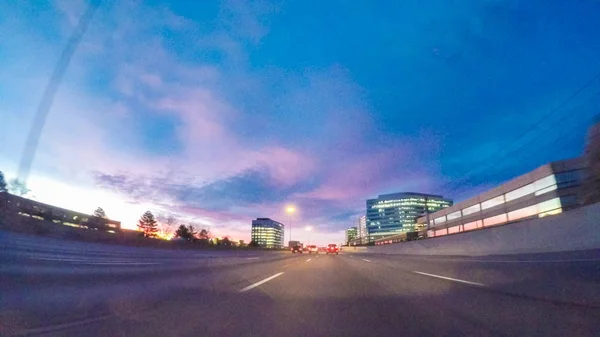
290,210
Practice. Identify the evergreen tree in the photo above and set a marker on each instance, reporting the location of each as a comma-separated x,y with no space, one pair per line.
148,225
99,212
2,183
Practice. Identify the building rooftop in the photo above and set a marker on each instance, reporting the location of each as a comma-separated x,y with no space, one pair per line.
406,194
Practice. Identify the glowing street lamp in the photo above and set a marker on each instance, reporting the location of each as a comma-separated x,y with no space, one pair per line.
290,210
309,230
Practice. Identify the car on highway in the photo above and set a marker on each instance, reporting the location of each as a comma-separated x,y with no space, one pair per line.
332,248
297,249
313,249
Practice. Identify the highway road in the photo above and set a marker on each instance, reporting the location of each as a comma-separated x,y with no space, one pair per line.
61,288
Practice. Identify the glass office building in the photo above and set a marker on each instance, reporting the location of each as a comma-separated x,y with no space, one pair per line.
362,229
267,233
392,214
351,234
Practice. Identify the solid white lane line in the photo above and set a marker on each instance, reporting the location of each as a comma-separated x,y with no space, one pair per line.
526,261
118,263
308,260
450,279
55,328
252,286
366,260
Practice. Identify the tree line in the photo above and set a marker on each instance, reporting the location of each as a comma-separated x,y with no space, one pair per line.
15,186
148,224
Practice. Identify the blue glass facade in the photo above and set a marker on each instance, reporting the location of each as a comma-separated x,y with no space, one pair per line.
392,214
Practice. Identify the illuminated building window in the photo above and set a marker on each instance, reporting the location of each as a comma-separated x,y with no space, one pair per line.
492,202
495,220
520,192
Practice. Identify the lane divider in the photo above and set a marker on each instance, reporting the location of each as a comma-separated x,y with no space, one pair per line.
308,260
252,286
450,279
366,260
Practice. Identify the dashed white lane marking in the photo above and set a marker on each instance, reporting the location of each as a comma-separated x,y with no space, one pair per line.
366,260
252,258
308,260
450,279
252,286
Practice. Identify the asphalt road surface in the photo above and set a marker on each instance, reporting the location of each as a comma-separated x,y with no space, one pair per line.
61,288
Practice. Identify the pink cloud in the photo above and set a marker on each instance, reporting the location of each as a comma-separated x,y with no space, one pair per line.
287,167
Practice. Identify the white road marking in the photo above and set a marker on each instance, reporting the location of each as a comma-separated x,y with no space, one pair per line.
450,279
526,261
366,260
252,258
252,286
81,261
55,328
286,265
308,260
119,263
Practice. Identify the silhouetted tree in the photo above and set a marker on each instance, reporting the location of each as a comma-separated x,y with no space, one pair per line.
99,212
3,185
167,225
225,241
193,232
253,244
148,225
184,233
18,187
204,234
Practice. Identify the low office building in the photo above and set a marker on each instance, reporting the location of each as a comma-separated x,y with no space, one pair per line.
268,233
15,207
547,190
393,214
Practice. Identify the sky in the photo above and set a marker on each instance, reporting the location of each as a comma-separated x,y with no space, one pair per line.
218,112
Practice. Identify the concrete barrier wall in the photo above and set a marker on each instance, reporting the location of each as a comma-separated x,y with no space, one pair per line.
577,229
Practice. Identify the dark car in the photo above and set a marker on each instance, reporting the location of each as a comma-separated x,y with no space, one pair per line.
297,249
332,248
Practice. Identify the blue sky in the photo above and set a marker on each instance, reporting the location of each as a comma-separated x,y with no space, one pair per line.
219,112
